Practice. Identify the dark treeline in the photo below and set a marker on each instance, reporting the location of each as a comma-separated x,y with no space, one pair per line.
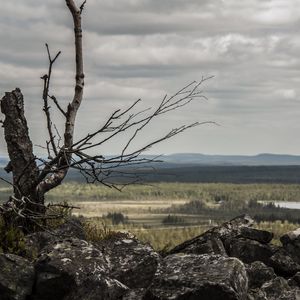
211,174
204,174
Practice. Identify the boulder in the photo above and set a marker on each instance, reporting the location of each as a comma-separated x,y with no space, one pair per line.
35,242
290,237
291,243
256,294
97,287
212,240
135,294
190,276
295,281
278,289
258,273
70,265
250,251
261,236
132,262
202,245
283,264
16,277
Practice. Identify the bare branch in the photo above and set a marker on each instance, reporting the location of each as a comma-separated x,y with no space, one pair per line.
57,105
46,107
82,6
63,158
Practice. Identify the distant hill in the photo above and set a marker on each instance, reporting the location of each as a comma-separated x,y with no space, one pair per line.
189,167
235,160
264,159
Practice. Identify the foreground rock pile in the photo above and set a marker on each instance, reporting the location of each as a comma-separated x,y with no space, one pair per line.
232,261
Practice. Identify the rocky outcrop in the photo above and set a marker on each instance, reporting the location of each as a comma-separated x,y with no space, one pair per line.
231,261
75,262
213,241
132,262
191,276
291,243
16,277
258,273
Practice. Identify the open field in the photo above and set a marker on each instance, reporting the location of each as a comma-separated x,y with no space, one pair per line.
165,214
183,191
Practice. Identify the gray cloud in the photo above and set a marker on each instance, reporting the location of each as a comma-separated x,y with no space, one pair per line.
143,48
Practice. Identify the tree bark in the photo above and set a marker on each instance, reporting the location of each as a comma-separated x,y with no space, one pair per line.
22,161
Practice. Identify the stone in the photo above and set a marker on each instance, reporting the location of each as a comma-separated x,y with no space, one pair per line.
290,237
191,276
135,294
212,240
98,288
256,294
258,273
278,289
295,281
291,243
283,264
35,242
66,266
16,277
203,245
132,262
261,236
249,251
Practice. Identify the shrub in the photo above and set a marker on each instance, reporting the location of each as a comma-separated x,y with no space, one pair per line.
116,218
96,232
11,239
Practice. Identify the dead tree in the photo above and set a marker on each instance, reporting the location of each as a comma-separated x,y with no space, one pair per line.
33,177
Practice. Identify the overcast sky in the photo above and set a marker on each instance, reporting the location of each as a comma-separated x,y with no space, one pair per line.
146,48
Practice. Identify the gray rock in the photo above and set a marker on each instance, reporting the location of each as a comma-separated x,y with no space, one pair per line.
261,236
190,276
98,288
16,277
250,251
35,242
132,262
291,243
258,273
212,240
283,264
295,281
135,294
256,294
278,289
290,237
66,266
203,245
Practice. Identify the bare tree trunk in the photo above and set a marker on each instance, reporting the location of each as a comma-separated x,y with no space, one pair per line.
22,161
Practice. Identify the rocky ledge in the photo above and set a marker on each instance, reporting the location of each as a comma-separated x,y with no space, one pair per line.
231,261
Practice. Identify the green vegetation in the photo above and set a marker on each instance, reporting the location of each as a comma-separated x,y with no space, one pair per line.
96,231
11,239
173,220
116,218
166,214
207,192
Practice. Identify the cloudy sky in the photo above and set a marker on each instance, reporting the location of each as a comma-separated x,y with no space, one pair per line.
146,48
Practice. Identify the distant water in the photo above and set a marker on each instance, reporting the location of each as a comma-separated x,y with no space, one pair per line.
284,204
